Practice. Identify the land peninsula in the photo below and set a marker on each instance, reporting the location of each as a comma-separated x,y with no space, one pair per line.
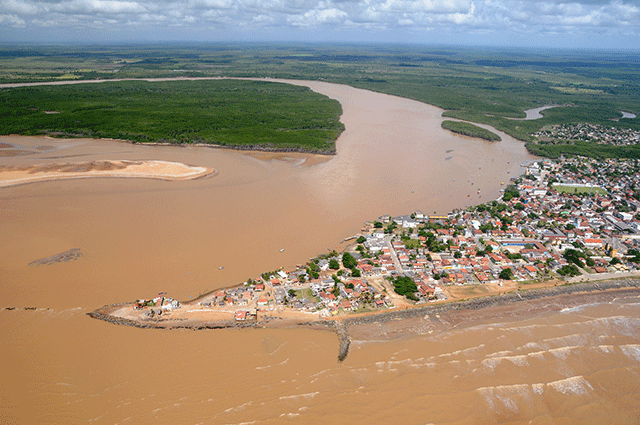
538,234
544,239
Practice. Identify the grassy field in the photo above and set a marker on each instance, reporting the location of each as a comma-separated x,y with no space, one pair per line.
479,85
224,112
306,293
470,130
580,189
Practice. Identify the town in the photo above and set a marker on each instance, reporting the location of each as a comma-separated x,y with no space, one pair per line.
589,132
569,220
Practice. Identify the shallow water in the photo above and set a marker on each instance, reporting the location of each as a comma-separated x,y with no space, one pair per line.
140,237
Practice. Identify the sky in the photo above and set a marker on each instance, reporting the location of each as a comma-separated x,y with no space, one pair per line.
590,24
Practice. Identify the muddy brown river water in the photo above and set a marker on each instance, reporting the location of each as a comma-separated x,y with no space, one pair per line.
140,237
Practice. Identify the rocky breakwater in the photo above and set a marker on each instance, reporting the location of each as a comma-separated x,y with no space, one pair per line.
109,314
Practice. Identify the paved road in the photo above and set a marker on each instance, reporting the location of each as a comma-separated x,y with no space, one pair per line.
394,257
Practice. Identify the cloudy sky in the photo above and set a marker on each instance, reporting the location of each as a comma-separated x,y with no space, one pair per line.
540,23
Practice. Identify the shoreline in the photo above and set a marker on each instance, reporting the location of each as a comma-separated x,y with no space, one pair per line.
395,324
253,148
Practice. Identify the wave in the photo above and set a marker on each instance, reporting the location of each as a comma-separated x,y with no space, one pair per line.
297,396
574,385
506,396
502,396
632,351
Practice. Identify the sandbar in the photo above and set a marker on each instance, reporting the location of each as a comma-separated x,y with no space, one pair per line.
12,175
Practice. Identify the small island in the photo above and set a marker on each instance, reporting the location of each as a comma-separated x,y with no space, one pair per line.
468,129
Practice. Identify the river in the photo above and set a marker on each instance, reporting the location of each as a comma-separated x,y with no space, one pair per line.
141,237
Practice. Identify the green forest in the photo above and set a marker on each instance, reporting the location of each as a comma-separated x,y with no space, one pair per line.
467,129
221,112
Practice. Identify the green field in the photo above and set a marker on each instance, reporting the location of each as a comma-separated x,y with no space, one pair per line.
222,112
470,130
478,85
579,189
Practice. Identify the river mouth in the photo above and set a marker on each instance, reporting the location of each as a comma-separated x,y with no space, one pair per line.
183,238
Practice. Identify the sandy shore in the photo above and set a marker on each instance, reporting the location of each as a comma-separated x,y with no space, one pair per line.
13,175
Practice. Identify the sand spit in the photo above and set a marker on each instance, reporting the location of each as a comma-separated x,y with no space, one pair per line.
13,175
390,324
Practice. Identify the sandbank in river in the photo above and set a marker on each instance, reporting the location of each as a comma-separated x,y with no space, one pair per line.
11,175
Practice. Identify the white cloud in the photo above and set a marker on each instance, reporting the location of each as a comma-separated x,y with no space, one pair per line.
11,20
453,16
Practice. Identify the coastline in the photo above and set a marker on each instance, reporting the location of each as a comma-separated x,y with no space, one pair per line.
407,322
254,148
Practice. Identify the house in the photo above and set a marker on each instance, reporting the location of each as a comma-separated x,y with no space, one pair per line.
593,243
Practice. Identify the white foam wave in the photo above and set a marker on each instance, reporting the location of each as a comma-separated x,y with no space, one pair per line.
290,415
508,396
566,340
464,351
606,348
574,385
298,396
238,408
502,396
632,351
562,352
538,388
492,362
